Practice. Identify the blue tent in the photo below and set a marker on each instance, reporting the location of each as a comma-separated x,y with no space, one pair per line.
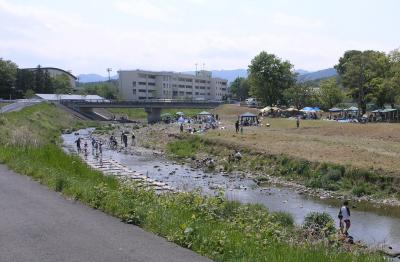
316,109
307,108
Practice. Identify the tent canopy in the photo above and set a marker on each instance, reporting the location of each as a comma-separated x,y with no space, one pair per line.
352,108
204,113
335,109
265,109
248,114
291,109
180,113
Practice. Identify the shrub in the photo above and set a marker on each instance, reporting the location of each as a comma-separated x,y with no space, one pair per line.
185,148
283,218
319,223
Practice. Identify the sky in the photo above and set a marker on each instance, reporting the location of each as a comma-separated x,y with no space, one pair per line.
89,36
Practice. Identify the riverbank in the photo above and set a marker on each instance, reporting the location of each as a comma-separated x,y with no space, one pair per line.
322,158
220,229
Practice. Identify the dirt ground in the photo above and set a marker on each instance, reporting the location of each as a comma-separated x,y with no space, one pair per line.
374,145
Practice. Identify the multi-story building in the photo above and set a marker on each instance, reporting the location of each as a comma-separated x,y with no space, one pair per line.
141,85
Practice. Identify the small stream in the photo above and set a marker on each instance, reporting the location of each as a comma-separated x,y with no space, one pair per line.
374,226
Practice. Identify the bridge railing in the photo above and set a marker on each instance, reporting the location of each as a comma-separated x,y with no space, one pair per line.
139,102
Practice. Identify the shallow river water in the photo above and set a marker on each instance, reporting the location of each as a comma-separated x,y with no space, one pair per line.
374,226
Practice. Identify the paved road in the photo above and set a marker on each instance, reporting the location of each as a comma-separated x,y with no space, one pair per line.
37,224
17,106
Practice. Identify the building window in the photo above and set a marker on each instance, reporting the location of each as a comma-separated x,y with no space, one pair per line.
151,84
134,83
134,92
174,93
151,76
188,86
142,83
197,93
188,93
142,97
142,90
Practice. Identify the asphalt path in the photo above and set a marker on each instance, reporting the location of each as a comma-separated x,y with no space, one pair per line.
37,224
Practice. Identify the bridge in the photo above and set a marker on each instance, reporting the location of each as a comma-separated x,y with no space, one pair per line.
152,107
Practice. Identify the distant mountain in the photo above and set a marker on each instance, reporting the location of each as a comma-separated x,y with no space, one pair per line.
230,75
89,78
330,72
301,71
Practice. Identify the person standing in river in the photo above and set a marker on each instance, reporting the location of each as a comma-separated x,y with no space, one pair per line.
344,217
237,126
125,140
133,142
298,122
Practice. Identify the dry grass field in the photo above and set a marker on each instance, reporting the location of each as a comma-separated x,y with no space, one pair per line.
375,146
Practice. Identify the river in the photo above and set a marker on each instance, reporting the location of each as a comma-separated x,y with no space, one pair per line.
374,226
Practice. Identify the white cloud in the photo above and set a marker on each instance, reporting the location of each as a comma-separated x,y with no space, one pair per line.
146,9
285,20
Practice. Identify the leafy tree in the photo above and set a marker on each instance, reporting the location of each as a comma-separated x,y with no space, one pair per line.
300,95
357,70
107,90
240,88
8,73
29,93
61,84
25,81
269,76
330,93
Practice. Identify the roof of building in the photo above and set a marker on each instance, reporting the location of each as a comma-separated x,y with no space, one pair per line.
56,97
53,68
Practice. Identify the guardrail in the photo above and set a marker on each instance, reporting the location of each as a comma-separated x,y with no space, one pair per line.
137,102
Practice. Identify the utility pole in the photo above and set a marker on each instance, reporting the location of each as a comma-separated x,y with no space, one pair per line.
109,71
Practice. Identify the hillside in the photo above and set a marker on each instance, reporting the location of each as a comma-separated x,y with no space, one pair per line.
330,72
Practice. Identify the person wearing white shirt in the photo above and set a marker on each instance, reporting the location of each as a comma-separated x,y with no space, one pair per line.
344,216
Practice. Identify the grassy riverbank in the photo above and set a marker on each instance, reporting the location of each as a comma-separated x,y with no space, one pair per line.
214,227
346,180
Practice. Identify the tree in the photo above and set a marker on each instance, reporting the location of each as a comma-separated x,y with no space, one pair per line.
357,70
8,74
240,88
330,93
300,95
107,90
269,76
25,81
61,84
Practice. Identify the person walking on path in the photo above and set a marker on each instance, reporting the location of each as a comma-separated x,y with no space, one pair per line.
237,126
298,122
181,128
78,145
344,218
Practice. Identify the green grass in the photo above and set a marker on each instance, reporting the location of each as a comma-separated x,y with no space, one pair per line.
185,148
139,113
220,229
214,227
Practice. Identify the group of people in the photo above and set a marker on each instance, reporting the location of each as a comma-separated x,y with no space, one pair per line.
97,146
124,140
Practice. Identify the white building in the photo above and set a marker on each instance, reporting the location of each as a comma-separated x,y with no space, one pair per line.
140,85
